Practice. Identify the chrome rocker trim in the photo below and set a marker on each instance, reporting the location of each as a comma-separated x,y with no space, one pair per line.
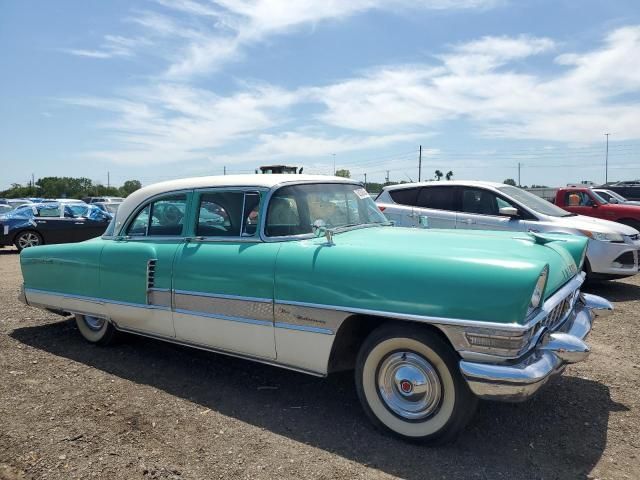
553,352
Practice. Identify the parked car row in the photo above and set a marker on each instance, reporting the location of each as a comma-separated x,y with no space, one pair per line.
307,273
51,222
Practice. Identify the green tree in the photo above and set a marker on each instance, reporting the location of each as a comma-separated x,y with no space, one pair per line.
438,174
449,175
510,181
64,187
343,172
129,187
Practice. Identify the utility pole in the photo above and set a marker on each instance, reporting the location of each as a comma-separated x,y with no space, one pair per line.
606,160
519,174
108,179
365,181
420,164
334,164
224,170
387,177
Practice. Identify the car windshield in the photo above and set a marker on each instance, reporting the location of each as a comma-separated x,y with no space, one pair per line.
535,203
613,194
294,209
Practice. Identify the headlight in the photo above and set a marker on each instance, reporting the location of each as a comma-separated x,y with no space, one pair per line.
538,291
604,237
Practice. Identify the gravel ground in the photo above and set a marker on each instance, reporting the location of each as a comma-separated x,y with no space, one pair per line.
145,409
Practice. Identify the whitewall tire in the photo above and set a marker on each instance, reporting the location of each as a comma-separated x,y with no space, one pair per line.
95,329
409,384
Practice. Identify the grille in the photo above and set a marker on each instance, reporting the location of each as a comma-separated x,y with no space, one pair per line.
151,273
560,312
634,237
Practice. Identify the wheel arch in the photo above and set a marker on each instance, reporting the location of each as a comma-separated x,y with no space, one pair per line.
356,328
28,229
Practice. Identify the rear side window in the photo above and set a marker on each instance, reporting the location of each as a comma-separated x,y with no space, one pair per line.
405,196
228,214
164,217
439,198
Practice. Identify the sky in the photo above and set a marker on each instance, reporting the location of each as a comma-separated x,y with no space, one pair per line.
160,89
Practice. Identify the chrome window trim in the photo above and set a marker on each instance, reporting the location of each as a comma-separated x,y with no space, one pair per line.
244,190
267,200
141,206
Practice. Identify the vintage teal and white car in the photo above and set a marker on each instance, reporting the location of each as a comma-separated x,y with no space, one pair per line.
305,272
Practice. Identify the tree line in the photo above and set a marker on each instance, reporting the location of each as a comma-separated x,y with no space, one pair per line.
68,187
377,187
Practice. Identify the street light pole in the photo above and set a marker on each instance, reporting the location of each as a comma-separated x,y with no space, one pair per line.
606,160
334,164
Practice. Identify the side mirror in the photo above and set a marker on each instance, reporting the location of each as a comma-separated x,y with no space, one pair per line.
319,228
508,211
613,200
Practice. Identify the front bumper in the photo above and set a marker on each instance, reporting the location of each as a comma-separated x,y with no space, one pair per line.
606,258
555,350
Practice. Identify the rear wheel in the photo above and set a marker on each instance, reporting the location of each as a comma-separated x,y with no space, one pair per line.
409,384
27,239
95,329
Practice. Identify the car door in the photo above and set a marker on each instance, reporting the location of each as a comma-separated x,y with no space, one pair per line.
137,265
52,225
224,275
436,207
402,211
480,210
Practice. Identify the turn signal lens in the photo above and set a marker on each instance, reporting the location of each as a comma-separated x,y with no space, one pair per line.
538,291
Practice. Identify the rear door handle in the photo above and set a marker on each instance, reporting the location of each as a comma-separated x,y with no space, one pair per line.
78,223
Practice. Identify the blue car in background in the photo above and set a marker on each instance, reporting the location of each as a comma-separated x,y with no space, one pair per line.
51,222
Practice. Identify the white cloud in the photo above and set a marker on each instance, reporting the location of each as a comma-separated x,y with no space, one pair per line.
479,81
112,46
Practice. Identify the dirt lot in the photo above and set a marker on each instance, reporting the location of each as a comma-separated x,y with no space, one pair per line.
150,410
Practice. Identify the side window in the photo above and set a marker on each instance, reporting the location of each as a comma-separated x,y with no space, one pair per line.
439,198
406,196
51,211
578,199
140,224
228,214
167,216
164,217
476,200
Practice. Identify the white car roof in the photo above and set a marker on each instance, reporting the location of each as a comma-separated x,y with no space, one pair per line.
467,183
253,180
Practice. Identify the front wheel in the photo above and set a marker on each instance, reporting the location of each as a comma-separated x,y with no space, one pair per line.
409,384
95,329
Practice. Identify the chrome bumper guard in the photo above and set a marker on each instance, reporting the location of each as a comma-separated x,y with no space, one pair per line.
555,350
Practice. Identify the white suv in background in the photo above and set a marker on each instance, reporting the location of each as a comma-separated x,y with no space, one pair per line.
613,247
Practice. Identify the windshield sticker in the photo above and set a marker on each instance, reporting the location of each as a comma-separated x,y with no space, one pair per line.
361,193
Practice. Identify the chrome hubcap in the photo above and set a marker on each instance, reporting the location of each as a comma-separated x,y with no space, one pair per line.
409,385
94,323
28,239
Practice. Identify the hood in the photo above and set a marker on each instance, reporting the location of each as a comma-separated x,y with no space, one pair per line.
463,274
582,222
